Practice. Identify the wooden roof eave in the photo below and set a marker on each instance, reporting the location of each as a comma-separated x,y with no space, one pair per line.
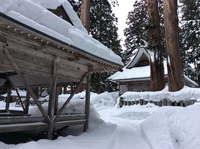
45,39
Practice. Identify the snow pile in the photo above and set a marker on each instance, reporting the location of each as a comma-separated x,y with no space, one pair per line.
186,93
173,128
141,127
103,100
76,105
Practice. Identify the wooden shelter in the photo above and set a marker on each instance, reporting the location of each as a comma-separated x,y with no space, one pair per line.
136,74
32,57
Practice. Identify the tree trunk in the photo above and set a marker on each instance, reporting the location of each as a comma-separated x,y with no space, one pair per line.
198,69
85,13
174,61
154,44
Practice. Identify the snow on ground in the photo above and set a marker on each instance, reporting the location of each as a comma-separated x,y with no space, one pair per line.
139,127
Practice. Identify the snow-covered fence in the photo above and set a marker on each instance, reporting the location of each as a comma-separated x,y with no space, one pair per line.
184,97
162,102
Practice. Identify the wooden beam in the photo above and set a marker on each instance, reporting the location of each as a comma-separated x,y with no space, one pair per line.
10,119
2,44
1,52
20,99
52,99
87,103
25,83
22,127
70,97
62,124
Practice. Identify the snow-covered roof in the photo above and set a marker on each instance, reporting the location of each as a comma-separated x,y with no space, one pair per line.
34,13
137,73
136,57
141,73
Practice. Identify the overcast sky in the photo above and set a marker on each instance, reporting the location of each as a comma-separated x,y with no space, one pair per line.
121,12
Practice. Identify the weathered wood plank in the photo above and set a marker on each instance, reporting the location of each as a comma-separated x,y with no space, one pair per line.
20,119
71,117
22,127
61,124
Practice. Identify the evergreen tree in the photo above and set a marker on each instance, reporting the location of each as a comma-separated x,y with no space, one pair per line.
135,33
190,37
103,27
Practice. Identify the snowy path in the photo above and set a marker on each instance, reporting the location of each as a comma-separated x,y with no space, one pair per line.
126,138
128,132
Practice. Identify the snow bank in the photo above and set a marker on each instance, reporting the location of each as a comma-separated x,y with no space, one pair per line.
184,94
103,100
76,105
173,128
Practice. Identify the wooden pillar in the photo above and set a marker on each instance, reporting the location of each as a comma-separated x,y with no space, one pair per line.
174,61
8,98
56,100
85,13
65,90
27,103
87,103
154,44
52,99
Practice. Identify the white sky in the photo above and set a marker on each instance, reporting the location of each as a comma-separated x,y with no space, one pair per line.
121,12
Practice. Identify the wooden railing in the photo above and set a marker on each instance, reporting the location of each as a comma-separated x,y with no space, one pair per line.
163,102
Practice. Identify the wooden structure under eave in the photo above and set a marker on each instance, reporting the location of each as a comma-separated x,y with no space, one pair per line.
32,55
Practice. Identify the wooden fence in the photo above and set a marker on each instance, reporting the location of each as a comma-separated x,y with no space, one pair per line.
163,102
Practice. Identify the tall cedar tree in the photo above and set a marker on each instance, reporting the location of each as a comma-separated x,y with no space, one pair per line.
103,27
190,37
154,44
136,32
174,60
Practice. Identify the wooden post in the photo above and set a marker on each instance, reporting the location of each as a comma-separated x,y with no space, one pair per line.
8,98
56,101
52,99
154,44
121,102
27,102
85,13
87,103
174,62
